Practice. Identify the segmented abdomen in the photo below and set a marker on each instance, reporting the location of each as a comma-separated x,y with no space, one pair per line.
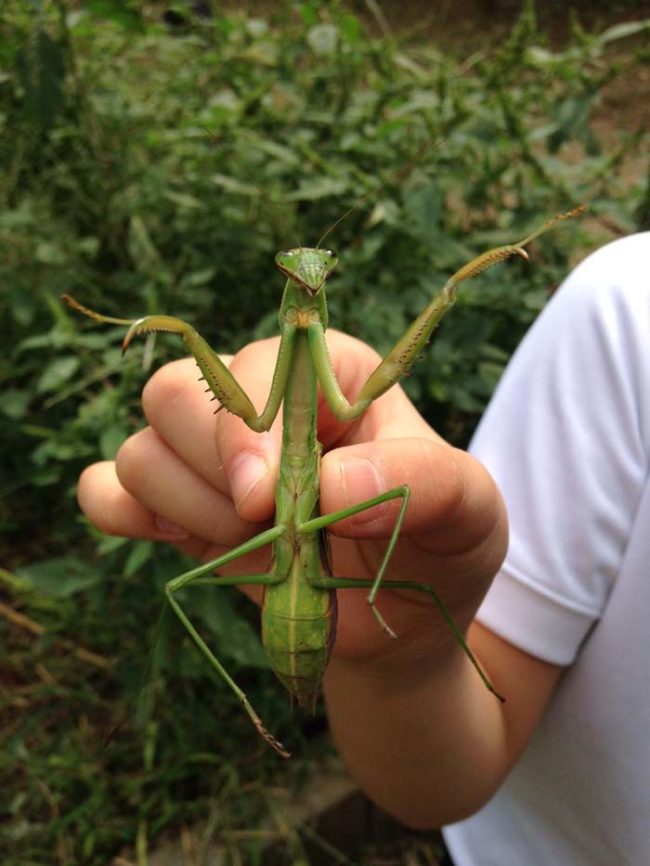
298,644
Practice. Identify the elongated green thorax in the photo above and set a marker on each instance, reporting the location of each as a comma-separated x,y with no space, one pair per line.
299,618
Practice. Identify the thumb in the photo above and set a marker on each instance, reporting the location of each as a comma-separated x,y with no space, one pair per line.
454,504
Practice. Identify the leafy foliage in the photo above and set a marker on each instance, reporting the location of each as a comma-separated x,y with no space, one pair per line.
150,168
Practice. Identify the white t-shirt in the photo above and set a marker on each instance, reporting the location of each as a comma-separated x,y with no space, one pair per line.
567,438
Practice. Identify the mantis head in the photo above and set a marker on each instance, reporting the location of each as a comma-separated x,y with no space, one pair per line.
308,268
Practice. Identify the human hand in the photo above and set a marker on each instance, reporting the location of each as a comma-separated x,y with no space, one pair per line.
206,483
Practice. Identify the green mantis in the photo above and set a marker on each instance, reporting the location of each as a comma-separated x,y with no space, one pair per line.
299,609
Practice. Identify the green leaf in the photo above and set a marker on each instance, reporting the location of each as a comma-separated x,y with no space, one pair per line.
110,439
231,184
50,253
624,30
57,373
22,304
111,543
256,27
423,204
61,576
320,187
198,278
41,70
140,244
350,28
323,39
140,553
308,13
235,636
14,403
119,11
189,202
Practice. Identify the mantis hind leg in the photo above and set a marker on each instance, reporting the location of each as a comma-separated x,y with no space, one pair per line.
353,583
201,575
374,586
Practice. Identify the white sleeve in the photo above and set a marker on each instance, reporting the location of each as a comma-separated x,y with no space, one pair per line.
567,439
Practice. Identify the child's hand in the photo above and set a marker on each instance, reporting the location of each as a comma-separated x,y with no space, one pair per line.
206,483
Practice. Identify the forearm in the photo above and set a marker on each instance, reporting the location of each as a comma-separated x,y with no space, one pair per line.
429,749
428,742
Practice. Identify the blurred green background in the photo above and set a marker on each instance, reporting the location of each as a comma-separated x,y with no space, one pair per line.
154,157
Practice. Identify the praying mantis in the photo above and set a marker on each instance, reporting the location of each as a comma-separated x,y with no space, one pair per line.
299,606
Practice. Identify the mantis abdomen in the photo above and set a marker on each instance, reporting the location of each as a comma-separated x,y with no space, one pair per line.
298,632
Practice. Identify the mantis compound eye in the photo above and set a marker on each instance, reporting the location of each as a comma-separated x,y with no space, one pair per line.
286,260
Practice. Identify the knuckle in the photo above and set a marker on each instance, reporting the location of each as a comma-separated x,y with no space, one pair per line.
166,386
94,500
132,459
255,354
344,343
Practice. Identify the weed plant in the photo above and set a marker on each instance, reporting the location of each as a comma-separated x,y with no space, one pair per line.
157,167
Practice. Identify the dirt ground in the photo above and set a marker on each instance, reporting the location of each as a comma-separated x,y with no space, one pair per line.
466,26
471,25
483,20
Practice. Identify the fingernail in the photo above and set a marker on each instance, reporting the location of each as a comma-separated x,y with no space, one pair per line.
170,529
361,479
246,472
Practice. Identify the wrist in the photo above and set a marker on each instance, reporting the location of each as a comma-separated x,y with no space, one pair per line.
405,665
